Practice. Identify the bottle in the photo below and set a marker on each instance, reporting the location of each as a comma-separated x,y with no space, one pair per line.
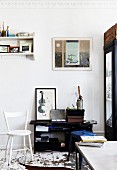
7,31
79,100
3,31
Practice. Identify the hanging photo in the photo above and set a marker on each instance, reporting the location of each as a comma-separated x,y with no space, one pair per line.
72,53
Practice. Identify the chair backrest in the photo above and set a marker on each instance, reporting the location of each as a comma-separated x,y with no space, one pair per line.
16,118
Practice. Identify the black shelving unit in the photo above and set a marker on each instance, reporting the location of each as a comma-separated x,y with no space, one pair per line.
45,140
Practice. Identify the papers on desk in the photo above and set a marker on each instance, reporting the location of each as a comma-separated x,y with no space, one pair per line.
42,128
99,139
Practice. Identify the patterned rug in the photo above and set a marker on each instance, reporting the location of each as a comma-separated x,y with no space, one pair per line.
41,159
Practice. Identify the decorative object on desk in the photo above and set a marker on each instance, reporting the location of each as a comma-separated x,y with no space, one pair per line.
72,53
45,100
58,115
4,48
13,49
75,115
79,100
26,46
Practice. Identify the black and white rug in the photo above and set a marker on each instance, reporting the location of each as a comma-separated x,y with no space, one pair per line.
41,159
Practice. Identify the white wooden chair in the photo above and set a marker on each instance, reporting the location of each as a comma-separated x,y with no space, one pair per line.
15,117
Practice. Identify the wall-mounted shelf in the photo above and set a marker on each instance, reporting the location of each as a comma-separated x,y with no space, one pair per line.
17,46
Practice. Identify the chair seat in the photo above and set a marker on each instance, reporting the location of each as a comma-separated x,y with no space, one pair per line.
19,132
3,133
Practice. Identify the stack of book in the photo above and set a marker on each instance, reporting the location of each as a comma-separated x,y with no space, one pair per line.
97,141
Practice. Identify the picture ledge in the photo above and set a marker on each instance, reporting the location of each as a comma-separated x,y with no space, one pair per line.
58,4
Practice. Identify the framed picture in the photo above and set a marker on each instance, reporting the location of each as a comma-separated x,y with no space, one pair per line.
72,53
26,46
45,100
14,49
4,48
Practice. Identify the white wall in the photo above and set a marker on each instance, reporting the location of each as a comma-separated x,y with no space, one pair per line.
19,77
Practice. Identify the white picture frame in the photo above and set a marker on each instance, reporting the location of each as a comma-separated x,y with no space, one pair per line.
25,46
72,53
45,101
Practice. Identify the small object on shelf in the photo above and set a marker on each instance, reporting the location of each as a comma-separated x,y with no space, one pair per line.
11,35
14,49
3,31
7,31
4,48
26,46
22,34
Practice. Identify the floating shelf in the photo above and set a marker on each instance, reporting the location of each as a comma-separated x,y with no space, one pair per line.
17,46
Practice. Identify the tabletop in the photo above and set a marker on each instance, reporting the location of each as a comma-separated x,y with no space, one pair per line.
100,158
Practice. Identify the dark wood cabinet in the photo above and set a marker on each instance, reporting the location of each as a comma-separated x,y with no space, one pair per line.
55,136
110,90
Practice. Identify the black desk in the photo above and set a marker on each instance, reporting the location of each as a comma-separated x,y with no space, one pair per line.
45,140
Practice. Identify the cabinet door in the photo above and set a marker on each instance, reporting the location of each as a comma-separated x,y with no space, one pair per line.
108,115
109,97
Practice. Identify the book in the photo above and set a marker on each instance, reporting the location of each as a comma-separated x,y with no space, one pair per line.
99,139
40,128
91,144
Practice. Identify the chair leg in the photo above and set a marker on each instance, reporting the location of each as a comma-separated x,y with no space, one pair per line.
24,142
7,146
70,147
24,145
10,154
30,146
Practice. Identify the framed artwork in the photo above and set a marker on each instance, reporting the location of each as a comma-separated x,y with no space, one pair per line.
13,49
4,48
25,46
45,100
72,53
